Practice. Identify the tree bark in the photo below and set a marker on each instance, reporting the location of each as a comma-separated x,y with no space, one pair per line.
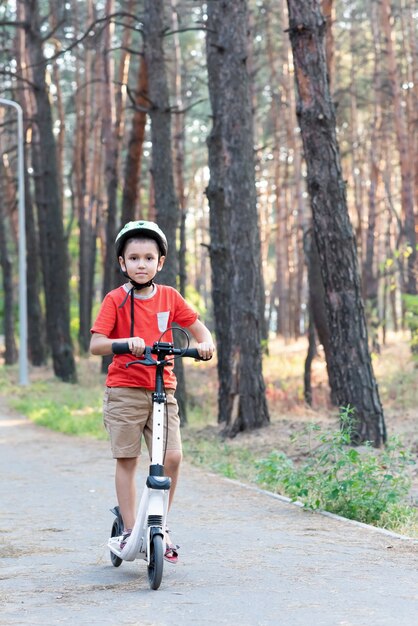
369,272
109,138
328,11
317,309
84,103
110,278
234,221
406,156
162,161
178,146
10,353
135,145
351,375
311,354
220,260
54,252
37,344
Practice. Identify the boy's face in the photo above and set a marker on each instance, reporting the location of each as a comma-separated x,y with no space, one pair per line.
141,260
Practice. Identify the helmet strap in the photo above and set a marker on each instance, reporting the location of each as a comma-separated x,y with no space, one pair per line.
139,286
135,287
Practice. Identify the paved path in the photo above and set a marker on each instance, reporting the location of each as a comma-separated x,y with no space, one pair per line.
246,559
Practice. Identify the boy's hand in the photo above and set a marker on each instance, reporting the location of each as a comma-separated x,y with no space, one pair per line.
205,350
136,346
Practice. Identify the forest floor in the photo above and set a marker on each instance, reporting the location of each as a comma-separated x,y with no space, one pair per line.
397,378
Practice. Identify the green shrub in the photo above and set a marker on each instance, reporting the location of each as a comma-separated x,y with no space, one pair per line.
411,305
364,484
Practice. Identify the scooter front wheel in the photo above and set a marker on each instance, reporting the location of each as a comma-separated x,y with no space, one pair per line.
156,562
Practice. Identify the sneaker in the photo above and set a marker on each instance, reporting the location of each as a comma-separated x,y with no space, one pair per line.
171,553
125,537
171,550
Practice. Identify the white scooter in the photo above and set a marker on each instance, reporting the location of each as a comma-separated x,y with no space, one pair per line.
147,538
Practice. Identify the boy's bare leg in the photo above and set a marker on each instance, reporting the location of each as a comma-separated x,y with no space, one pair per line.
172,469
126,489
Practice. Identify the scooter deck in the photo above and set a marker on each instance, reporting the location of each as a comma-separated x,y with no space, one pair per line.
133,549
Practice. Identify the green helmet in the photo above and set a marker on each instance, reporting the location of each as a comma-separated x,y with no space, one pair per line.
141,228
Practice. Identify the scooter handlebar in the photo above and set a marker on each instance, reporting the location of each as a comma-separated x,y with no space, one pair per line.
122,347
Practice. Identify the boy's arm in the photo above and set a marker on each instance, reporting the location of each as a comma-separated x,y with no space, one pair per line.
100,345
205,345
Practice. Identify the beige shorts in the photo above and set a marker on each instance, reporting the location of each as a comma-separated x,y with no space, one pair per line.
127,415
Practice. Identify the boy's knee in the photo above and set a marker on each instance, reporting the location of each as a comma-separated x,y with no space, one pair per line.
127,463
173,458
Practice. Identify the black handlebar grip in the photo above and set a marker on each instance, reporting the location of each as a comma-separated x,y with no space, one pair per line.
194,354
191,352
120,347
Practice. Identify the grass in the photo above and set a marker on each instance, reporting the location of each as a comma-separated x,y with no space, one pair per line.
365,484
70,409
218,456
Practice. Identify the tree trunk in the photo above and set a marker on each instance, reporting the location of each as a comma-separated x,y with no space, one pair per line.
54,253
111,274
10,353
295,202
178,146
162,161
220,260
351,375
370,273
406,156
232,198
84,104
311,354
37,344
136,142
111,154
282,287
356,159
328,12
317,309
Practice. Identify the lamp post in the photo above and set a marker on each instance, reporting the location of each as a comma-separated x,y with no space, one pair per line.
23,302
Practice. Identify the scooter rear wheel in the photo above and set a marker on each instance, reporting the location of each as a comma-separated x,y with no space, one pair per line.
156,562
117,530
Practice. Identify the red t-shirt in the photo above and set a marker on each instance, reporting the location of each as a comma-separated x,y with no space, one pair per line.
153,315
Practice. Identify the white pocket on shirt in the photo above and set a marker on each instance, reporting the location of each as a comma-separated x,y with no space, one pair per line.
163,320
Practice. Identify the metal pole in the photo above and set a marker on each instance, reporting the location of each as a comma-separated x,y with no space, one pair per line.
23,302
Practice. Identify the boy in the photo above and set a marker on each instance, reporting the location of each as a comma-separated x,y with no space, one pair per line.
139,312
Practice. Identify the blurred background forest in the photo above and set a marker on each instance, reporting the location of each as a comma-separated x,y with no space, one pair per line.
79,71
